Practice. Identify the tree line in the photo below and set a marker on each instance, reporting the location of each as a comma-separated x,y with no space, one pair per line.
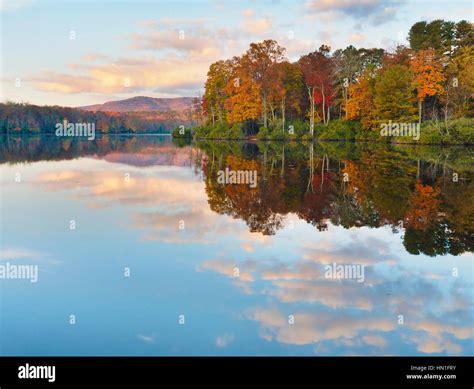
262,91
28,118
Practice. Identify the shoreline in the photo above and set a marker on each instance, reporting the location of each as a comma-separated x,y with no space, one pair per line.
298,140
250,139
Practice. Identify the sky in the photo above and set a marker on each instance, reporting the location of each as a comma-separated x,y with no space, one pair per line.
74,53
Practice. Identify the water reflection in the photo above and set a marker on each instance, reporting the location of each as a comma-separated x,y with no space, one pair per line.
351,187
247,265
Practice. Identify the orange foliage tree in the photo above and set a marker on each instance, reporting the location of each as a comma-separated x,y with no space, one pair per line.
428,76
360,104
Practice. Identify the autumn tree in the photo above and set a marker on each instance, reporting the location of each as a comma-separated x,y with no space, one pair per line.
400,56
285,91
360,104
294,88
196,112
243,102
459,85
277,92
317,68
214,96
347,63
428,76
256,63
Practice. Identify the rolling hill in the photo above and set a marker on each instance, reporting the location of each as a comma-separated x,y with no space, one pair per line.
143,103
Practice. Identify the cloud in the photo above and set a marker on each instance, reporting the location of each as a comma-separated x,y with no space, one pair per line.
167,193
11,253
357,38
436,327
330,293
310,328
168,22
66,83
229,267
377,11
147,338
299,271
255,25
249,13
347,316
164,227
129,76
372,253
251,241
434,343
7,5
20,253
224,340
374,340
357,8
167,188
383,15
177,59
92,57
326,36
350,7
296,47
197,40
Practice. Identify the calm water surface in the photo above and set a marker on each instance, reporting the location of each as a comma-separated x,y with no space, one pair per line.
156,237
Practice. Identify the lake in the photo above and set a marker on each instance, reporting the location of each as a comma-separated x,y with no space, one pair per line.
140,249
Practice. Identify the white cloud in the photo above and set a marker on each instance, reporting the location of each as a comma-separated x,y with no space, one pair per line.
11,253
147,338
252,24
357,37
224,340
375,12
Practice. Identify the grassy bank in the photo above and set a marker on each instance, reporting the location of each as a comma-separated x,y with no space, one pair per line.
454,132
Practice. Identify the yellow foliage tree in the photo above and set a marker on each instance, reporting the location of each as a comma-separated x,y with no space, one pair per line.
244,102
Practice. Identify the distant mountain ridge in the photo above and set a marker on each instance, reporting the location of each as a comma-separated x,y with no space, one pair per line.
143,103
